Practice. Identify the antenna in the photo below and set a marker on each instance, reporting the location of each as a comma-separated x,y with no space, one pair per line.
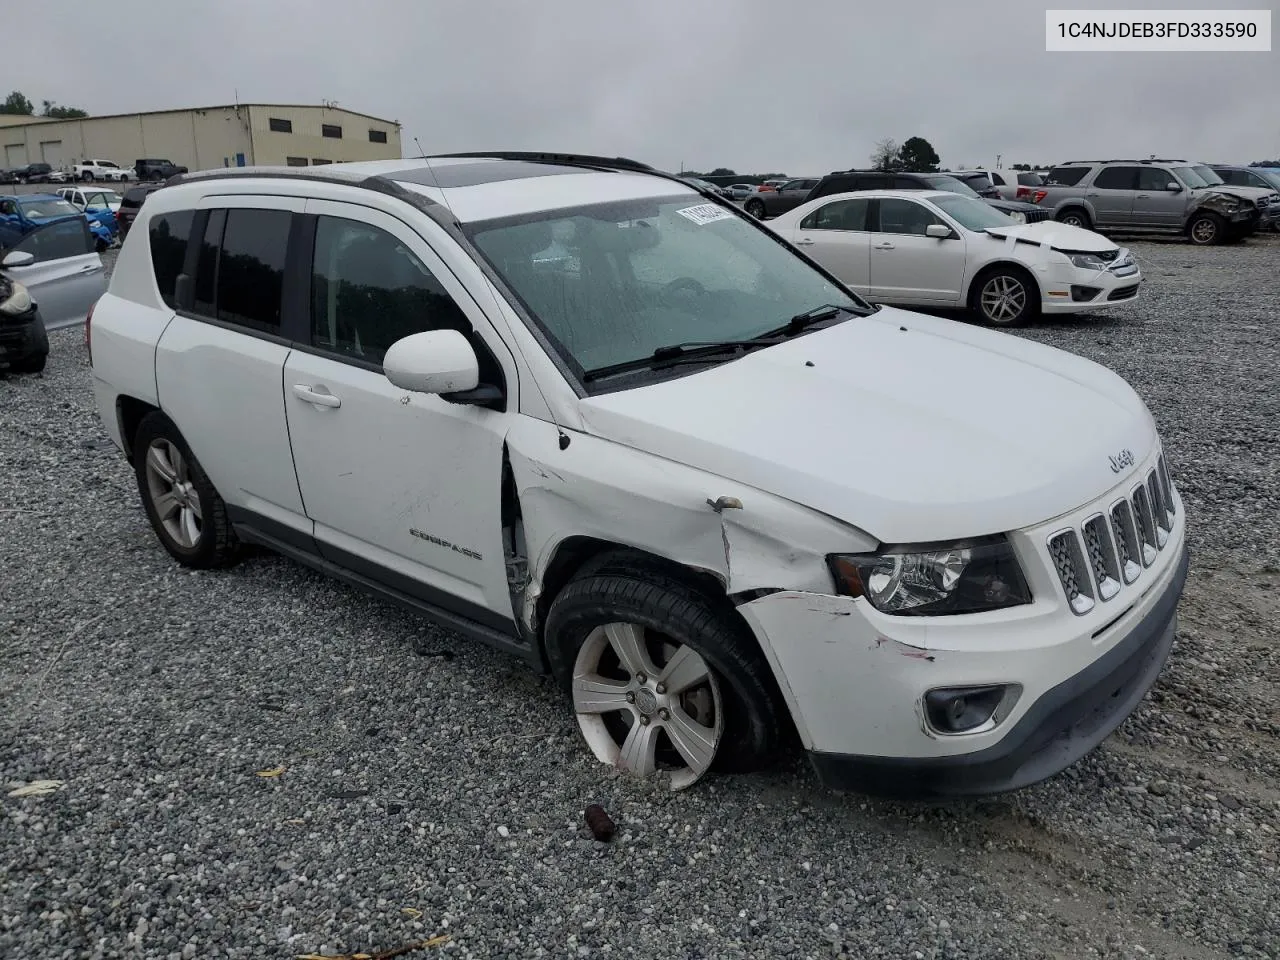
564,437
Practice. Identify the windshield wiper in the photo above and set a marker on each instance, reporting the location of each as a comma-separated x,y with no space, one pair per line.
688,352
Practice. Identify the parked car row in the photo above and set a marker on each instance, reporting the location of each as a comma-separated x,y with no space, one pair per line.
1162,196
91,170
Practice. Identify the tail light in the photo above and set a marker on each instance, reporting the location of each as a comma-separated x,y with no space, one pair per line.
1039,195
88,339
1021,193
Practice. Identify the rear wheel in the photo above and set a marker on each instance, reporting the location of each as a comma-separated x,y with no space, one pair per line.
663,680
86,175
1075,217
1206,229
755,208
185,510
1005,297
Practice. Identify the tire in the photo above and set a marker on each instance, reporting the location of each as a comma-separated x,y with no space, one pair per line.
1075,217
996,299
31,363
86,175
214,543
755,208
668,618
1206,229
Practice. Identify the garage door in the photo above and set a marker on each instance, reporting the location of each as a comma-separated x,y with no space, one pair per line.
51,153
15,155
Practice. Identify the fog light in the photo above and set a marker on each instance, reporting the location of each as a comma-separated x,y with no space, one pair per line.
966,709
1082,294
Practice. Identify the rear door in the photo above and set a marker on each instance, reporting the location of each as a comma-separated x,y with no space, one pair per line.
1111,195
67,276
220,362
836,235
906,266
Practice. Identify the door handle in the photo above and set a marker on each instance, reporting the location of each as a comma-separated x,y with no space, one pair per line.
884,246
90,268
317,395
1143,196
804,242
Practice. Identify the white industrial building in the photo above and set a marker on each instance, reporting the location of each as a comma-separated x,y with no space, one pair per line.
200,138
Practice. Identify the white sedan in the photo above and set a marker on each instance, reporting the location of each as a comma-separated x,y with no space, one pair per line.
936,249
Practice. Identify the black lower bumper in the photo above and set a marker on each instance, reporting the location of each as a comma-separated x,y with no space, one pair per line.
1067,722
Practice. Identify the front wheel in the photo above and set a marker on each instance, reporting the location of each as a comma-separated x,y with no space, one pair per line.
663,680
1206,229
755,208
1005,297
185,510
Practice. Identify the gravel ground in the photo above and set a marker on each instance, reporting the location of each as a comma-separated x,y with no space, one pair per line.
431,786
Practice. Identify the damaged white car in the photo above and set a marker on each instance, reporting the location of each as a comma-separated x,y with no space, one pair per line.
576,409
932,248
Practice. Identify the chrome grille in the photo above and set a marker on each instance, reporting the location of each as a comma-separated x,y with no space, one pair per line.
1111,549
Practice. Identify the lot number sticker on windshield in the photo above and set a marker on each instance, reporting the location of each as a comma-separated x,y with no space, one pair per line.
705,213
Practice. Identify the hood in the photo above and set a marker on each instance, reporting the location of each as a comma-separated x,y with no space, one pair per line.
1251,194
911,428
1059,236
1011,205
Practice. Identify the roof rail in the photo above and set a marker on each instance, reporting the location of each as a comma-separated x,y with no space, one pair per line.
562,159
327,173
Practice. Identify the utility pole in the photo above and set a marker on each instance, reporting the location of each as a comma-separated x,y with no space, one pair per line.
997,161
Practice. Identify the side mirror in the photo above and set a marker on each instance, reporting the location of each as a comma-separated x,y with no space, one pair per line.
938,231
437,361
1173,186
18,258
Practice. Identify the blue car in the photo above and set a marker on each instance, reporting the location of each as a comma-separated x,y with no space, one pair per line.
22,214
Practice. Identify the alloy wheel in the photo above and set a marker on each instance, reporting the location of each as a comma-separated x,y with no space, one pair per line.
647,703
173,494
1204,231
1003,299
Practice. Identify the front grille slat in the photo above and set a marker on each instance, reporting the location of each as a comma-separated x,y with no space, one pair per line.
1146,525
1102,557
1126,534
1068,560
1155,494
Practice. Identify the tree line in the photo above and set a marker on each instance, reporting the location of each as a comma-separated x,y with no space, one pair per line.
18,104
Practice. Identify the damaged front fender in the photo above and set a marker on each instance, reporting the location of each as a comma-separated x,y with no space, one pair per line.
603,490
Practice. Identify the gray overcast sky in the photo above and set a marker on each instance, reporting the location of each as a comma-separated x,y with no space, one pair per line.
801,87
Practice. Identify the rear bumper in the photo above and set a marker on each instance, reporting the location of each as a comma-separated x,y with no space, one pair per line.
1065,723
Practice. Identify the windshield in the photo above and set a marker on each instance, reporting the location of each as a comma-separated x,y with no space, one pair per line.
1208,175
611,283
951,185
972,214
53,207
1189,176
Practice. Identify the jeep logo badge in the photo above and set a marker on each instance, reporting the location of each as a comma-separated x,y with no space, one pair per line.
1122,460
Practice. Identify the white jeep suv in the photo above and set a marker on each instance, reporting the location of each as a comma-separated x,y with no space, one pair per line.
579,410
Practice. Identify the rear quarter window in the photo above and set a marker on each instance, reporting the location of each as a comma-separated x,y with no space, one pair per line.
1066,176
169,233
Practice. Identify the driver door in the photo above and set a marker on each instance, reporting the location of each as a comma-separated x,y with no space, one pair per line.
404,488
66,276
909,267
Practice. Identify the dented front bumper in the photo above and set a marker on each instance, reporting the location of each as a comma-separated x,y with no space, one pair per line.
856,693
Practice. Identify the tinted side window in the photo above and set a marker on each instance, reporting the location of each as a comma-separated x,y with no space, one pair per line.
1150,178
58,240
1066,176
1117,178
169,233
838,215
903,183
207,266
251,268
368,290
904,216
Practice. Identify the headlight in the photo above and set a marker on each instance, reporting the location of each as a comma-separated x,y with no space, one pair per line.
1017,216
19,301
934,579
1087,261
